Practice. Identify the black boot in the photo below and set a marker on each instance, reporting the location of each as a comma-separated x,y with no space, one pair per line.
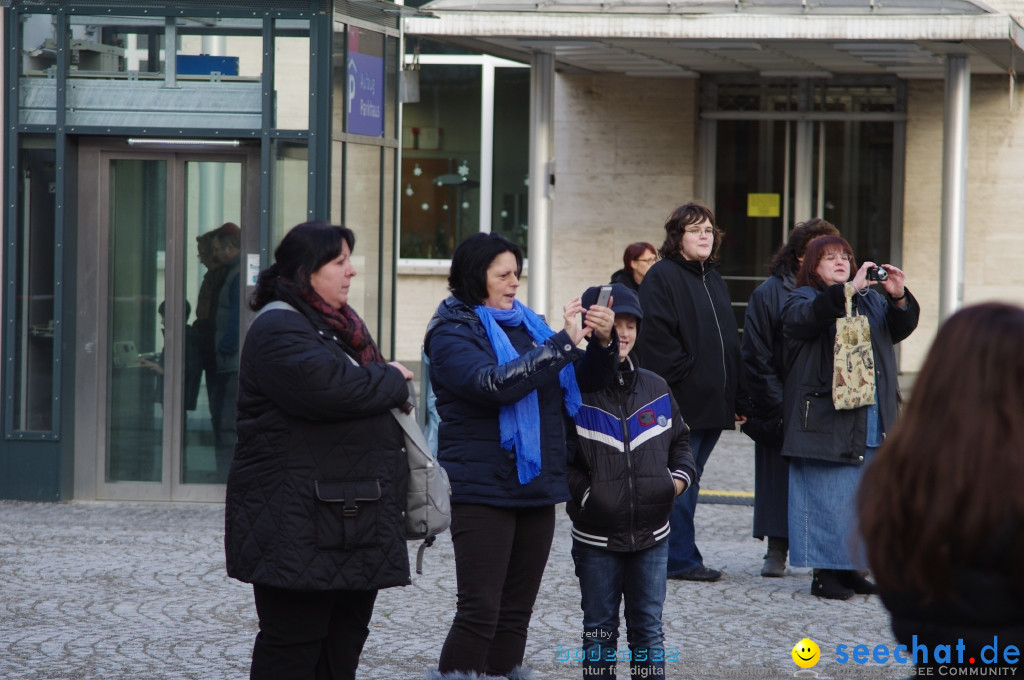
857,583
826,584
775,558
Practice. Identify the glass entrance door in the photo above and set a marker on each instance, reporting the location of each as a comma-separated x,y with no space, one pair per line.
797,153
170,292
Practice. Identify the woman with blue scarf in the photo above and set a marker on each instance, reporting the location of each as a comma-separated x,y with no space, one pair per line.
504,383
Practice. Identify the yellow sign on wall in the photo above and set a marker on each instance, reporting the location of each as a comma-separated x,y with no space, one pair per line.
763,205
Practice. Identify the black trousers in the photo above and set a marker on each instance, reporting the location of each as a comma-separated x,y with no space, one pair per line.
310,635
500,555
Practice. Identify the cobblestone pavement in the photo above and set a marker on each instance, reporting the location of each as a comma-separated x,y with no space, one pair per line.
138,590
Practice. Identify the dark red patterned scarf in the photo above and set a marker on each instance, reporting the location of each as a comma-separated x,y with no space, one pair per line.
344,321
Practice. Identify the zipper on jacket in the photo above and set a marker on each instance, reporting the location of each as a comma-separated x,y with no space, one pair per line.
721,340
631,488
807,411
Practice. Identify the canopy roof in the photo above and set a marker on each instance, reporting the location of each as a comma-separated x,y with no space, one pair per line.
770,38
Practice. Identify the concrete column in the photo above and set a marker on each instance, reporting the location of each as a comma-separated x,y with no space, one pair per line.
954,184
542,180
803,181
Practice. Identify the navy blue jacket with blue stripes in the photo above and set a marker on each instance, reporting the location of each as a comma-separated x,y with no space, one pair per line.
629,444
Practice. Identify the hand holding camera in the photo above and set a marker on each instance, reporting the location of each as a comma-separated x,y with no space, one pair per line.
889,277
876,274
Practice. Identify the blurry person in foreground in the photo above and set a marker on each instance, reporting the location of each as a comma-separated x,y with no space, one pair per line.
942,506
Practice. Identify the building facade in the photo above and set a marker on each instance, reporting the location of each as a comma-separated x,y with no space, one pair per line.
897,121
133,132
572,126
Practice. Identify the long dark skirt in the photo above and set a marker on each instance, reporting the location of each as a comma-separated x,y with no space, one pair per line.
771,493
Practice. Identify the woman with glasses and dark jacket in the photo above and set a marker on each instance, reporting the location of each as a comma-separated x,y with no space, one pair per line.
828,447
691,340
638,258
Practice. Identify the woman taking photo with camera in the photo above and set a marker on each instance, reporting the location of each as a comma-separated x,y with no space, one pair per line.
504,383
828,447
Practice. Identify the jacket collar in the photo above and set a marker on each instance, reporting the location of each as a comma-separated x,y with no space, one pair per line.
625,376
693,266
452,310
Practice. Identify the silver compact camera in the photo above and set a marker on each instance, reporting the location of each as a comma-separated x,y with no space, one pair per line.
876,274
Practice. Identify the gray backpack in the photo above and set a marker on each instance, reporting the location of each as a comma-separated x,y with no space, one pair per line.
428,509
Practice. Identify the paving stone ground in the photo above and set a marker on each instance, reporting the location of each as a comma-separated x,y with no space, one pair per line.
138,591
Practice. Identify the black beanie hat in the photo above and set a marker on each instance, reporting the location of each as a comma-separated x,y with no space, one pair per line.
624,300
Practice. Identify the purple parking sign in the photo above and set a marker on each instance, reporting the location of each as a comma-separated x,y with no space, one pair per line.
365,95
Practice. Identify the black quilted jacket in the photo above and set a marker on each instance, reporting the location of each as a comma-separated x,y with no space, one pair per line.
317,488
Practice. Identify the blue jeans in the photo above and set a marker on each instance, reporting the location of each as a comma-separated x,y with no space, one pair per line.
606,578
683,555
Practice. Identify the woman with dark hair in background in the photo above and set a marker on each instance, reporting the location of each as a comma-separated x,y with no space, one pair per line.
638,258
942,506
764,363
691,340
827,447
316,493
504,384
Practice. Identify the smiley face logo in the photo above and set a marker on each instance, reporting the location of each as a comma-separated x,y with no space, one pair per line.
806,653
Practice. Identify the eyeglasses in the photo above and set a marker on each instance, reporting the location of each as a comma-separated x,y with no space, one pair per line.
645,260
832,256
707,231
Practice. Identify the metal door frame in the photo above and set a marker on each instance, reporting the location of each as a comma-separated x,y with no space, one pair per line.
92,343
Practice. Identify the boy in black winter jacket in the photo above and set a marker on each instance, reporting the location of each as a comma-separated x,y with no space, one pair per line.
629,459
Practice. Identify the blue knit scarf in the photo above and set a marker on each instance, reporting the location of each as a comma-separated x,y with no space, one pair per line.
519,423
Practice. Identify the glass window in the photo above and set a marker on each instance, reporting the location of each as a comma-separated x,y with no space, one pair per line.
34,304
849,165
441,161
213,223
368,210
112,59
363,216
509,211
138,223
291,83
290,188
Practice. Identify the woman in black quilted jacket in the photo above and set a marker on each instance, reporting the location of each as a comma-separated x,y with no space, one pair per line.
317,487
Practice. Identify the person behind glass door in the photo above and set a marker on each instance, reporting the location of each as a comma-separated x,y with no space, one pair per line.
314,513
227,243
827,447
942,507
637,259
764,363
691,340
203,329
155,361
504,383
